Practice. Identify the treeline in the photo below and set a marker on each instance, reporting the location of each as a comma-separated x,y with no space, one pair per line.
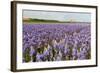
39,20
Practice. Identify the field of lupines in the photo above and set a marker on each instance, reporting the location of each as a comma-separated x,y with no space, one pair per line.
56,42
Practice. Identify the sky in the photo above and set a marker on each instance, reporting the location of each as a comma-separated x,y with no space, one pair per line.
61,16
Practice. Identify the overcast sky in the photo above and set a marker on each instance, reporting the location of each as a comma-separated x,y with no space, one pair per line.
61,16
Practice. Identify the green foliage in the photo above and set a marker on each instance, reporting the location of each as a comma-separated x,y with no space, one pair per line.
40,20
27,55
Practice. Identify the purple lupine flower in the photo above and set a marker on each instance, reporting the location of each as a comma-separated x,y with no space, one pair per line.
73,34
